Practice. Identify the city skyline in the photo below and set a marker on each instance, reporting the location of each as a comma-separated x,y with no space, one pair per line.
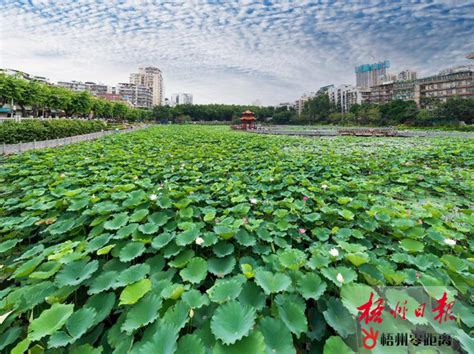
232,52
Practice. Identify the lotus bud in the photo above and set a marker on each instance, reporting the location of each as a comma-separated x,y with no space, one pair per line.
334,252
340,278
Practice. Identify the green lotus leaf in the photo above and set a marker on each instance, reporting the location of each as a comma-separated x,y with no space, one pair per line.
76,272
33,251
272,282
310,286
346,214
116,222
131,251
339,275
291,310
126,231
149,228
222,249
187,237
28,267
292,258
173,292
225,232
410,245
46,270
335,345
224,290
142,313
354,295
232,321
59,339
134,292
245,239
159,218
358,258
195,299
312,217
195,271
181,259
9,336
8,245
209,216
277,337
135,199
252,296
161,240
80,321
186,213
164,202
21,347
163,341
61,227
190,343
339,318
102,282
49,321
139,215
177,315
221,266
132,274
254,343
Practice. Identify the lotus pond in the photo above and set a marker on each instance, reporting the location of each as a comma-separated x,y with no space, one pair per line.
188,239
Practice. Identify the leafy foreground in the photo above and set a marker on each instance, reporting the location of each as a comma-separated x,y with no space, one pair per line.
192,239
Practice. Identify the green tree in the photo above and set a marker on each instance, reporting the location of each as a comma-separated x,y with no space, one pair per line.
318,109
119,111
454,110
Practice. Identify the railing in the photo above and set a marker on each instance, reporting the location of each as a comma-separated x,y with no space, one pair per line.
6,149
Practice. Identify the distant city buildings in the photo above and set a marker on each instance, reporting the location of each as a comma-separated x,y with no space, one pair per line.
139,96
151,78
25,76
299,104
407,75
368,75
344,96
377,86
181,98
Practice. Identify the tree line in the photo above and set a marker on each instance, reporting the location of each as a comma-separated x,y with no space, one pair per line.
46,100
319,110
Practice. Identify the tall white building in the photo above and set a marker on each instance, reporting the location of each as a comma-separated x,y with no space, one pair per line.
181,98
344,96
152,78
138,96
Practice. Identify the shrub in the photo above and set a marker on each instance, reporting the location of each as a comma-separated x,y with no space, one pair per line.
35,129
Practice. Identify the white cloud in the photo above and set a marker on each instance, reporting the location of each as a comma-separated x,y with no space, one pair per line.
231,51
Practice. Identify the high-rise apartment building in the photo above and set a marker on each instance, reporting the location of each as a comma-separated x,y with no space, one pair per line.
368,75
407,75
152,78
299,103
181,98
138,96
344,96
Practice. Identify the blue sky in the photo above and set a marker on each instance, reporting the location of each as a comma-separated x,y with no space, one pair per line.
233,51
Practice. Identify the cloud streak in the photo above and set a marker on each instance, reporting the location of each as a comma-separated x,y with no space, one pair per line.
232,51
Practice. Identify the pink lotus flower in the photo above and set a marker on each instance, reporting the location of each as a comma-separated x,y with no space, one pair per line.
305,198
301,231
